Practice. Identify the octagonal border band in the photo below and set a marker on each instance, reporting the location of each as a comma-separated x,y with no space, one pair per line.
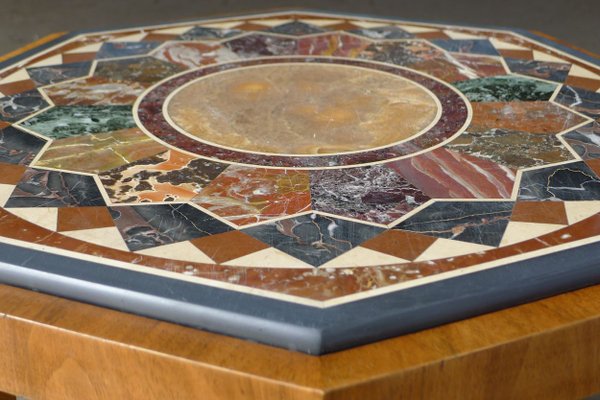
455,116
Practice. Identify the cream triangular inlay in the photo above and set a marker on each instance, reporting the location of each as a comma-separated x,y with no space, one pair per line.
520,231
363,257
271,258
108,237
182,251
445,248
580,210
46,217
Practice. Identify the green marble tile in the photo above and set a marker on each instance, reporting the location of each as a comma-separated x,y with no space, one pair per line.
506,88
68,121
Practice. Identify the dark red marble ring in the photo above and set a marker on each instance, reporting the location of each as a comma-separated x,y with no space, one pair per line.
454,115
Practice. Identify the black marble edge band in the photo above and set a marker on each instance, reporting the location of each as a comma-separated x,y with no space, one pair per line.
294,326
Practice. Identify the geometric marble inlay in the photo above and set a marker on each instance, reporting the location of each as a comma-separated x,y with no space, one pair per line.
302,179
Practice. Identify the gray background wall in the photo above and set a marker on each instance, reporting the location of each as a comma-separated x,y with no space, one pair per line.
23,21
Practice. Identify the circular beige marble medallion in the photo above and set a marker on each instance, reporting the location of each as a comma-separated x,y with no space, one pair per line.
302,109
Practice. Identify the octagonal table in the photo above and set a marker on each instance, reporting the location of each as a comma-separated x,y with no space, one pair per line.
316,182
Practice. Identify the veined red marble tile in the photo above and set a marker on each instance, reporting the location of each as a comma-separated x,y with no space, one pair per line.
528,116
339,45
247,195
444,173
482,65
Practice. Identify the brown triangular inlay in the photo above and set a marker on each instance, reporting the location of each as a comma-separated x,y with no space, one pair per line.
77,218
228,246
546,212
398,243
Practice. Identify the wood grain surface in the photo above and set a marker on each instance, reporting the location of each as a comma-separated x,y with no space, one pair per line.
59,349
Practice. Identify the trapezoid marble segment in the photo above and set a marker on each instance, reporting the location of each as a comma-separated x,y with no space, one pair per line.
585,140
443,173
551,71
143,70
506,88
383,32
166,177
475,222
308,170
200,32
95,91
475,46
581,100
19,147
530,116
512,149
570,181
78,218
145,226
100,151
69,121
295,28
18,106
244,195
49,75
41,188
314,239
193,55
260,45
124,49
332,44
376,194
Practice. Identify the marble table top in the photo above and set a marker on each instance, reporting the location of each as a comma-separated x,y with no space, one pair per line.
308,180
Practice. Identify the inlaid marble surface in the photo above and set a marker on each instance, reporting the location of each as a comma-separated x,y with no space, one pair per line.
302,109
307,157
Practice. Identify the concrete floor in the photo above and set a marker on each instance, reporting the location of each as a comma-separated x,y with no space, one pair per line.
23,21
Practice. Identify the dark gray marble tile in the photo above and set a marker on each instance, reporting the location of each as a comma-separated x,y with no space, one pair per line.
59,73
16,107
475,222
147,226
40,188
572,181
314,239
18,147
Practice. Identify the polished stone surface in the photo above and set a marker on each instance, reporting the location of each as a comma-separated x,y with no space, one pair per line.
302,109
302,158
